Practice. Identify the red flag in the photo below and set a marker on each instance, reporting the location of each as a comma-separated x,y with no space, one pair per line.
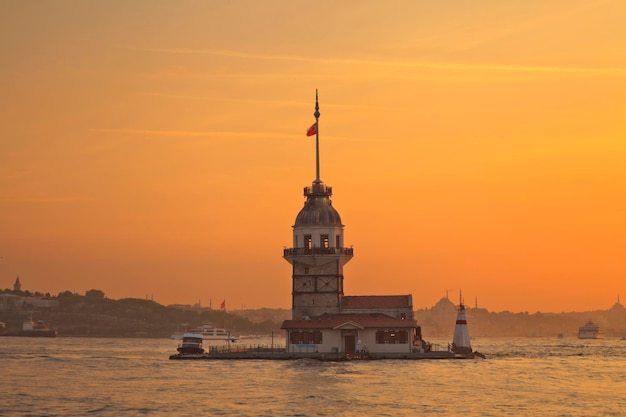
312,130
223,305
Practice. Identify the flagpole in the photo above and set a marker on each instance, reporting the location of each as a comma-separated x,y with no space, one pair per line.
317,138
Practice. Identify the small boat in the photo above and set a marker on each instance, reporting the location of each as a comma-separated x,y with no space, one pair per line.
250,336
589,331
30,328
37,329
191,345
208,332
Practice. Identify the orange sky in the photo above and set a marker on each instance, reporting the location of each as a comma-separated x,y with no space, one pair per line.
158,147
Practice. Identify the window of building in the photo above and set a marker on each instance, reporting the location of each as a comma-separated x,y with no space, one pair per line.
337,245
325,241
391,337
308,242
305,337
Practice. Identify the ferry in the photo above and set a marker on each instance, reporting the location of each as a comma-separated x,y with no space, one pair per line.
30,328
208,332
191,345
589,331
37,329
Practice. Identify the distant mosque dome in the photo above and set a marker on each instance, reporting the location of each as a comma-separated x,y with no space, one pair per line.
318,209
617,306
444,305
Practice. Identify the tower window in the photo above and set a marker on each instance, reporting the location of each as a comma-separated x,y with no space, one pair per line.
325,242
308,242
337,244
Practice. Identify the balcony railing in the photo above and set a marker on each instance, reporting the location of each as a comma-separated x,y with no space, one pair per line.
317,251
318,188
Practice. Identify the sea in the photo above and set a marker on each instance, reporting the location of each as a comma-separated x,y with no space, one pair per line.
74,376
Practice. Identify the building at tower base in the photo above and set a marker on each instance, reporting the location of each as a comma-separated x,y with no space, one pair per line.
367,325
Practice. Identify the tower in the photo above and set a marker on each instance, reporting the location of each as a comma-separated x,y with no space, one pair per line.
17,286
461,340
318,253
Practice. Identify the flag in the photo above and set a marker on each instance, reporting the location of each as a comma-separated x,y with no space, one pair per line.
223,305
312,130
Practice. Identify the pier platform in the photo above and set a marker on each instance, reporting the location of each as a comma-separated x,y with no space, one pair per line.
330,357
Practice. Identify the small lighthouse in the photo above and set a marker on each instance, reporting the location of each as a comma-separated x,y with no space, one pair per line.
461,340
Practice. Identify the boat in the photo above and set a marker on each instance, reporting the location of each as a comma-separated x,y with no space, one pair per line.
30,328
251,336
589,331
208,332
191,345
37,329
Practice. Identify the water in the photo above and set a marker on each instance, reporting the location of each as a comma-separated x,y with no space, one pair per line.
133,377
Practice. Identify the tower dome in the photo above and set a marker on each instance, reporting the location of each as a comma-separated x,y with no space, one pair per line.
318,209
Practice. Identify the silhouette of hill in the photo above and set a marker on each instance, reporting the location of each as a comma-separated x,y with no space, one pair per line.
93,314
438,321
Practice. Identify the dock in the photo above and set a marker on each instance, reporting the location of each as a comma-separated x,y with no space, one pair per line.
281,354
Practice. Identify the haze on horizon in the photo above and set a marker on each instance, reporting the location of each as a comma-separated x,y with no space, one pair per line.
158,148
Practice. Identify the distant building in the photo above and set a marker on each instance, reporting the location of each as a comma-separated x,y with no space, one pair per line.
38,303
10,302
14,302
323,318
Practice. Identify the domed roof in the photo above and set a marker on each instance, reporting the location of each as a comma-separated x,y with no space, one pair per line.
318,211
444,304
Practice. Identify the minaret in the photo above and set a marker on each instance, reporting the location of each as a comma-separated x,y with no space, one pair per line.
318,253
461,340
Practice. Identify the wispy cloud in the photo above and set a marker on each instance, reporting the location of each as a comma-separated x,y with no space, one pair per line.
278,103
388,62
44,199
212,134
195,133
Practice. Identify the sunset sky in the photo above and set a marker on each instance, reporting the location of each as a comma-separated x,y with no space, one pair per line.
158,148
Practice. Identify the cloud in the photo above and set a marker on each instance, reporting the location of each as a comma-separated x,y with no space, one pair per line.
195,134
280,103
214,134
389,62
45,199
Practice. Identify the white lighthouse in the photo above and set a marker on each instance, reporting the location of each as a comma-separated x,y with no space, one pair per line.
461,340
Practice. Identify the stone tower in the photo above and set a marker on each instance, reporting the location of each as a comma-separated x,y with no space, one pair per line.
318,253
